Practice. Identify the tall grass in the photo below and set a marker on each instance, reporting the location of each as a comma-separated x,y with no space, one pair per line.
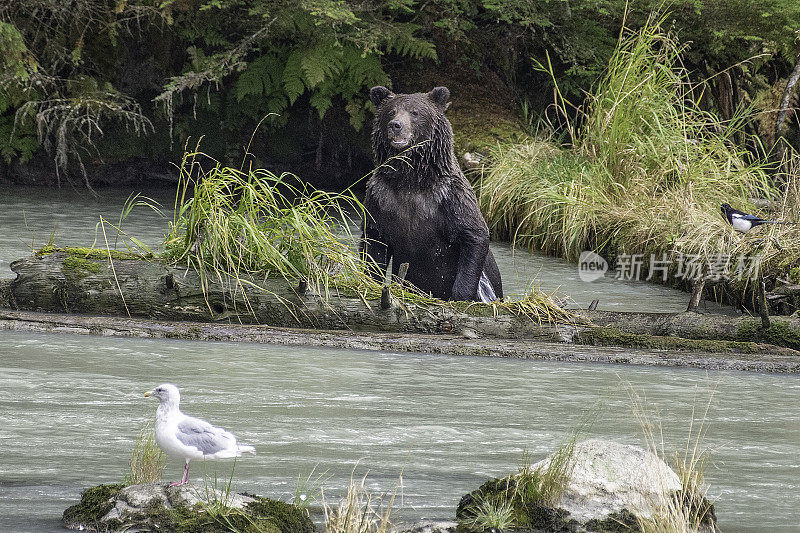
778,245
256,223
147,462
647,171
308,489
689,510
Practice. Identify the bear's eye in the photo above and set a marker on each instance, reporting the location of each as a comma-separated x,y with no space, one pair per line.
414,113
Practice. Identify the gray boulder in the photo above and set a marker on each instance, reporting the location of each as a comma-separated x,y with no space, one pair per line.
137,499
609,487
608,477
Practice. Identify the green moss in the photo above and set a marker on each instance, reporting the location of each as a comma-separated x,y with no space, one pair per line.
780,333
45,250
527,512
288,518
794,274
90,253
610,336
477,309
482,131
78,266
622,522
481,122
262,516
93,506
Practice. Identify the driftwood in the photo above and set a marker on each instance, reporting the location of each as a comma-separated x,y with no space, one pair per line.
91,284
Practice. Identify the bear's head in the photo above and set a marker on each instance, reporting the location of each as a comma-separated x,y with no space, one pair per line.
404,120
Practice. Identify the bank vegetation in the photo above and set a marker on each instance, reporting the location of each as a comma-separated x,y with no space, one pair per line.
641,177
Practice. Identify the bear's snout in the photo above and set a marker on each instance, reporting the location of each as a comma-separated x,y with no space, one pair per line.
399,130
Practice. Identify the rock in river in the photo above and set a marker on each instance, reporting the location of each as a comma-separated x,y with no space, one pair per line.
185,508
608,487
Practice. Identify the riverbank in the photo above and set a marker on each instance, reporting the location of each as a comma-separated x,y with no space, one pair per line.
536,350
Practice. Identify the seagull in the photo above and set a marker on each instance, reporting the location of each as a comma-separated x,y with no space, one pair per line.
187,437
742,222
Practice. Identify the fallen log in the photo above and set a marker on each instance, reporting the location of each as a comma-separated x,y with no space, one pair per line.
97,282
94,282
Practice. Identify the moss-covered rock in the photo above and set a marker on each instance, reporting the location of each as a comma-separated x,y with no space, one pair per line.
82,252
159,507
95,503
609,487
527,514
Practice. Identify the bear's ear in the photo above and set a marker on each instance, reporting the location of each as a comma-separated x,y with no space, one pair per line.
379,94
440,97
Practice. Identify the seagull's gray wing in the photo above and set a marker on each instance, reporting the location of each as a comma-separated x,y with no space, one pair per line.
203,436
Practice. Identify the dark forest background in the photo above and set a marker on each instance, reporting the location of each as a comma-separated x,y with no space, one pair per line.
110,91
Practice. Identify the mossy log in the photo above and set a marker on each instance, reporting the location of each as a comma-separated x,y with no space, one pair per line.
88,282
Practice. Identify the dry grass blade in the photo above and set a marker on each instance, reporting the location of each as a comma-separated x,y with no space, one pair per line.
688,510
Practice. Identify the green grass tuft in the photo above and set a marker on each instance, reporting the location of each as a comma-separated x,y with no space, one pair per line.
147,462
528,499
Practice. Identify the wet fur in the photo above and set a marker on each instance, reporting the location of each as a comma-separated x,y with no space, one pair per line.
422,209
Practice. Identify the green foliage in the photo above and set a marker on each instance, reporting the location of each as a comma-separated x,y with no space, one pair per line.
233,62
328,50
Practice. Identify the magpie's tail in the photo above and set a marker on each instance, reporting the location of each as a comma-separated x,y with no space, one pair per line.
779,222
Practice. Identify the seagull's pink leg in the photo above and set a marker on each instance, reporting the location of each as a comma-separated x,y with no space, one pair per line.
185,479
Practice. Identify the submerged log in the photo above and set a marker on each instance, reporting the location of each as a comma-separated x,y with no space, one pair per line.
91,283
710,355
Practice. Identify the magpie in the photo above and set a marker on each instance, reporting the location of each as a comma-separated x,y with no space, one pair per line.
742,222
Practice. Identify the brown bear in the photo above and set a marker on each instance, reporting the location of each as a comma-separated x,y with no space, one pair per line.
421,209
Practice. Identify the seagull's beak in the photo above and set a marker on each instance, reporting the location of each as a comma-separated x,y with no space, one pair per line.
149,393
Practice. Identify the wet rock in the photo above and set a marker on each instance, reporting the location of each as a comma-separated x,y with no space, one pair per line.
608,477
566,333
155,506
608,487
